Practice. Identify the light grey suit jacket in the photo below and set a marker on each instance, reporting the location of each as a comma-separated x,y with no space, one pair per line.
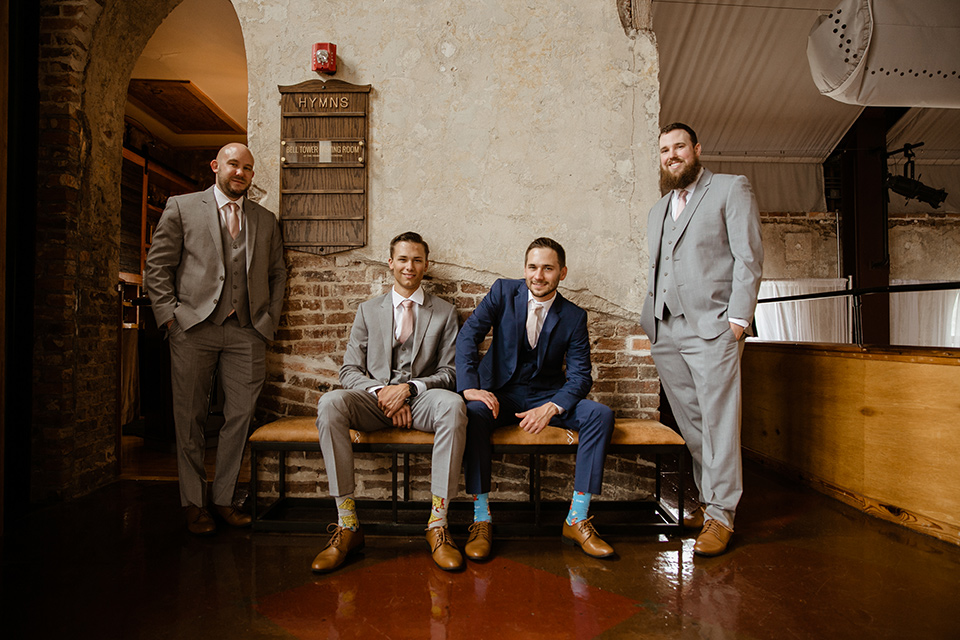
184,271
367,362
717,259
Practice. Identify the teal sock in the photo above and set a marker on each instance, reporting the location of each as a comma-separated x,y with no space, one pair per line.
481,508
578,507
347,512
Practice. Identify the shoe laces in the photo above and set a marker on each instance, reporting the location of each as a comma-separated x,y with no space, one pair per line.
443,537
713,528
586,527
478,528
337,536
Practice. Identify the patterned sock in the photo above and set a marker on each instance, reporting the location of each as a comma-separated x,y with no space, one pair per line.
578,507
438,513
347,512
481,508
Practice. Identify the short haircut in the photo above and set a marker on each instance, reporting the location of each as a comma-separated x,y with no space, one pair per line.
679,125
548,243
411,236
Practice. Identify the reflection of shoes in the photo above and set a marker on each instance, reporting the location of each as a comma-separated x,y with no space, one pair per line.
342,543
444,550
713,540
199,522
586,537
694,520
480,540
232,516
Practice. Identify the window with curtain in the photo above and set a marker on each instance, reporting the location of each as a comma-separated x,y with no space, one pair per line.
827,320
925,318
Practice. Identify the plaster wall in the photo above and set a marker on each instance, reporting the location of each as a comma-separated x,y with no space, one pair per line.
491,123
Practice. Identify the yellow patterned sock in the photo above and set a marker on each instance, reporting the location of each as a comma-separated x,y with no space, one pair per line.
347,512
438,513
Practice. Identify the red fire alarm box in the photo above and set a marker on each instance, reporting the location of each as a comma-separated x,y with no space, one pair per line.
325,57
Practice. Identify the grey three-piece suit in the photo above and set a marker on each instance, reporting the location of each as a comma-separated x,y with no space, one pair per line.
705,268
373,359
225,297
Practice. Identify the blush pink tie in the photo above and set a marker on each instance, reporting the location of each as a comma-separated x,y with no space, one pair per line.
533,324
405,325
681,203
233,219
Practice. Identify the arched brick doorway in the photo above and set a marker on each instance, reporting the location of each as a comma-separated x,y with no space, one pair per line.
88,49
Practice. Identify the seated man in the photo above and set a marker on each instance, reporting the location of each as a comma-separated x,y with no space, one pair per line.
398,371
522,377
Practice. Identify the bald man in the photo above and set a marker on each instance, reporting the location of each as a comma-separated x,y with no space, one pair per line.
215,276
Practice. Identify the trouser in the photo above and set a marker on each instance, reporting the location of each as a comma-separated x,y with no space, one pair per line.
592,420
701,379
437,411
194,355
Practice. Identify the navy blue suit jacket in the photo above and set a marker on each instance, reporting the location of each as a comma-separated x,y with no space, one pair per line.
564,335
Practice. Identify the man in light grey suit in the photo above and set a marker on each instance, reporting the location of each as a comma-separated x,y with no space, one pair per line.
705,264
398,371
216,277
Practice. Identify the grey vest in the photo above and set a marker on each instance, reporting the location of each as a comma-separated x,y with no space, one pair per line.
665,293
234,295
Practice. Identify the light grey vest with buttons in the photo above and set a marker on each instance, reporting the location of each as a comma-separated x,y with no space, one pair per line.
234,295
666,289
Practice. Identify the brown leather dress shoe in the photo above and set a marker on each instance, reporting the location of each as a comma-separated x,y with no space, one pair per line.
480,540
199,522
232,516
444,550
713,540
586,537
694,520
342,543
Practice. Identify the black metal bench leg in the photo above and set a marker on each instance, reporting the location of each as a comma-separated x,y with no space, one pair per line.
254,484
396,510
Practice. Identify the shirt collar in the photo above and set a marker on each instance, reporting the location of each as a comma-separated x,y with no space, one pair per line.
223,199
416,296
546,305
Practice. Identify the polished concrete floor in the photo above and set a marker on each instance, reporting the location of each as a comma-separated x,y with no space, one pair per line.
119,564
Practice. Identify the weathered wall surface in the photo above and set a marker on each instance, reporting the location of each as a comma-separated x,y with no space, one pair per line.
925,247
492,123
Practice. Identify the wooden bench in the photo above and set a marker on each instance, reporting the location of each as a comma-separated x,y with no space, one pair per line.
405,516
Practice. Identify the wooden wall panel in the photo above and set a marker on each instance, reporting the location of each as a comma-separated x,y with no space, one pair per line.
323,172
880,430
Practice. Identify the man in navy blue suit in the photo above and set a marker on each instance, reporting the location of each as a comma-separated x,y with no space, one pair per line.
522,377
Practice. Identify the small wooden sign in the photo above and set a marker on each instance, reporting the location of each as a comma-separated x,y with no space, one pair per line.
323,165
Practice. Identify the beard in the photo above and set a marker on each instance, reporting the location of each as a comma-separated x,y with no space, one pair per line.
670,181
229,190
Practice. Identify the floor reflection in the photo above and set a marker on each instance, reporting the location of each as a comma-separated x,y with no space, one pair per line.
497,599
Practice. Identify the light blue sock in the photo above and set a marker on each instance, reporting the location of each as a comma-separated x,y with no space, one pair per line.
578,507
481,508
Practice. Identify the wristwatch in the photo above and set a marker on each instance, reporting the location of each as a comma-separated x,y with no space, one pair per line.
413,390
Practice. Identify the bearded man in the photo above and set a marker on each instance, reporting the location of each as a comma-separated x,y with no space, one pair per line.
216,277
706,260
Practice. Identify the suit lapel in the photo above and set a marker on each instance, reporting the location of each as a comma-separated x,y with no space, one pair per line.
212,216
520,311
420,327
698,194
385,324
657,217
250,228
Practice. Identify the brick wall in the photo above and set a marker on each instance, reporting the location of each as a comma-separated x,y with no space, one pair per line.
322,298
87,50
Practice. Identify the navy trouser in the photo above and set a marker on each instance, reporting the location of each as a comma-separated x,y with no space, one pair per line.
592,420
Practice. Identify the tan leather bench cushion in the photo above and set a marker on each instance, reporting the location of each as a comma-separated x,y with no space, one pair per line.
627,431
